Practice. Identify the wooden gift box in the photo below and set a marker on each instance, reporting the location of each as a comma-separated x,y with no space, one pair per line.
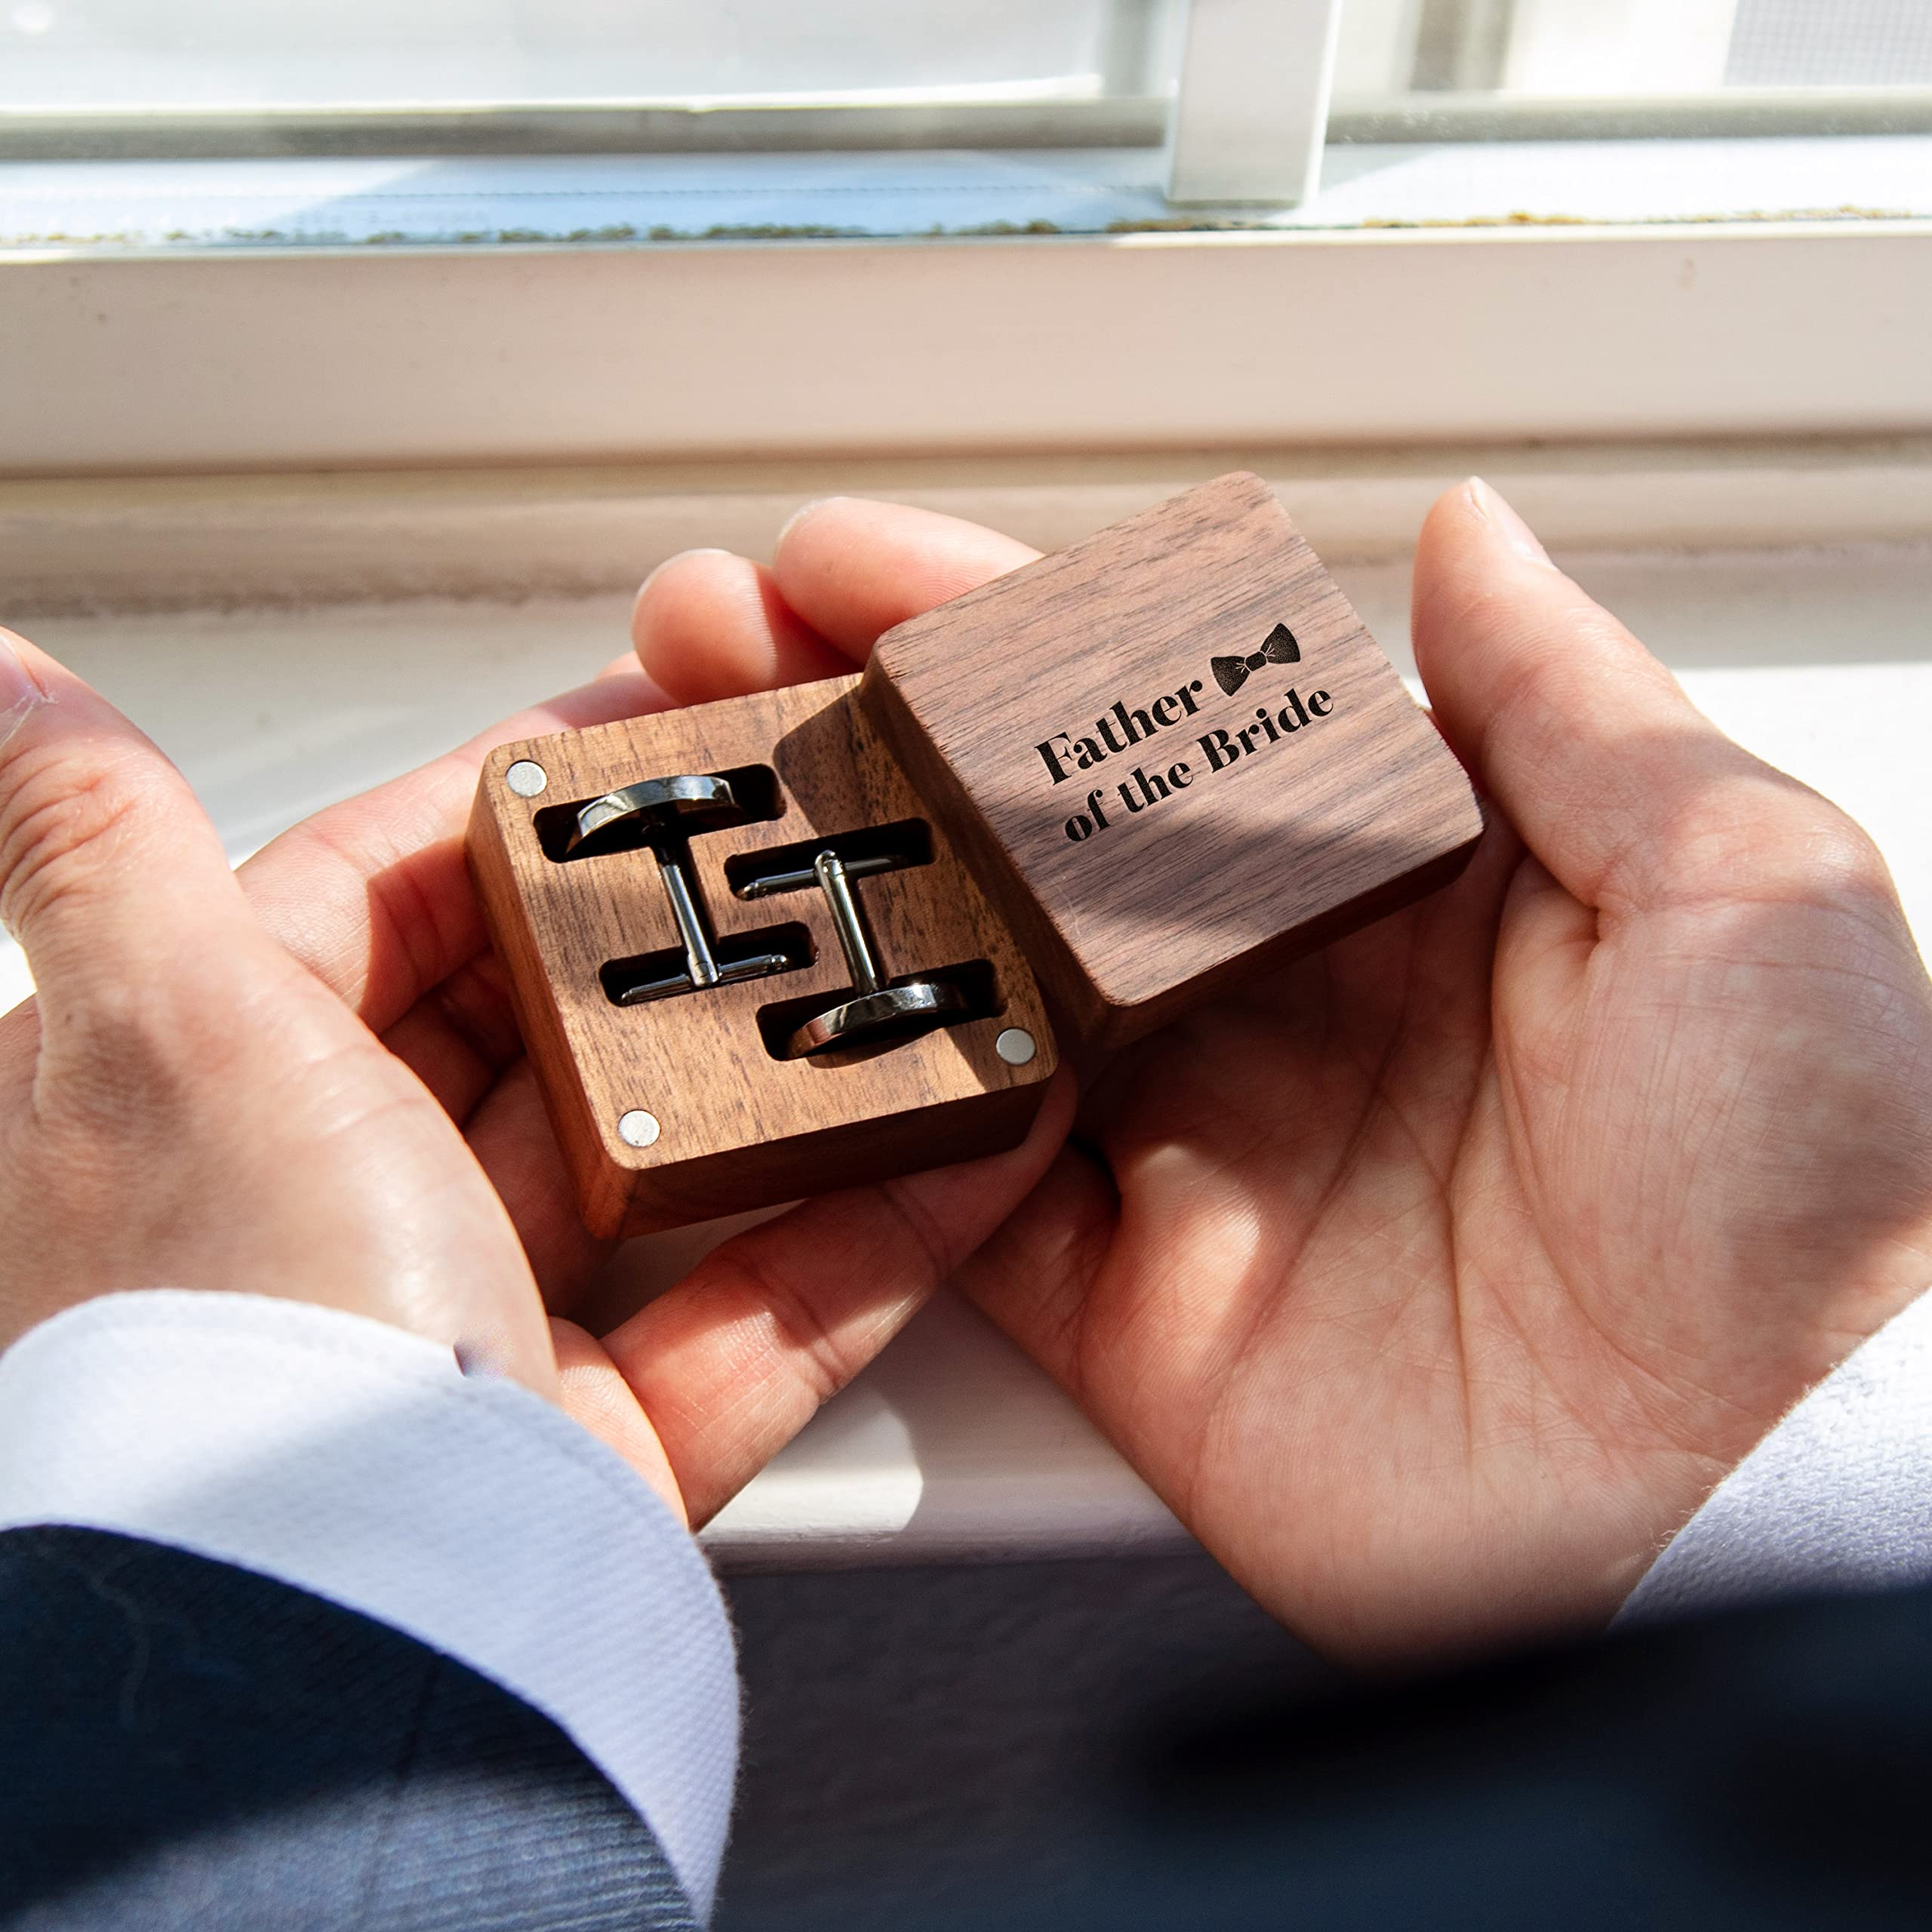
797,941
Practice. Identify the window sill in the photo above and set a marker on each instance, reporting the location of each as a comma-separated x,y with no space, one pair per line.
402,200
391,358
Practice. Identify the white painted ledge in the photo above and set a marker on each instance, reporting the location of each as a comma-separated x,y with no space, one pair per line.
219,542
952,1445
373,357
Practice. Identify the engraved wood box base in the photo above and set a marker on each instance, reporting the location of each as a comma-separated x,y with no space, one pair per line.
1174,756
802,1066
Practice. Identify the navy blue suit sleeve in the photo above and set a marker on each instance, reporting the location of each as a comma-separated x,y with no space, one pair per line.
186,1744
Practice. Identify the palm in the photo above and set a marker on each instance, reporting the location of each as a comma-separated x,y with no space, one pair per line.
1417,1286
1434,1282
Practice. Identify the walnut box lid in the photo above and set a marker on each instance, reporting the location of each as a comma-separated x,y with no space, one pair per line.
1173,756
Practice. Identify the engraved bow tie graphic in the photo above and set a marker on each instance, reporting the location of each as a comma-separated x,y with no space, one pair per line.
1230,673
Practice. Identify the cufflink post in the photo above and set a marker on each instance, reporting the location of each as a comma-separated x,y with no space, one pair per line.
667,810
875,1013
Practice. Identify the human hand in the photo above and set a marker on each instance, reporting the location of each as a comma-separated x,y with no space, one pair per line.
1435,1280
306,1080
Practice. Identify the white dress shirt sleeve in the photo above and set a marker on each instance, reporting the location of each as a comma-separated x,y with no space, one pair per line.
1838,1497
359,1463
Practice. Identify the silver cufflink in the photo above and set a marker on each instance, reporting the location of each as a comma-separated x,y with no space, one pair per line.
663,815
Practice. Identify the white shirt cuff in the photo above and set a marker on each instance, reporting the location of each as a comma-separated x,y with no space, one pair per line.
1838,1497
357,1463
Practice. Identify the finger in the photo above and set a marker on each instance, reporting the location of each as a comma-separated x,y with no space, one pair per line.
596,1397
373,895
459,1037
1614,779
1035,1276
730,1363
710,625
111,876
510,1135
852,569
461,1041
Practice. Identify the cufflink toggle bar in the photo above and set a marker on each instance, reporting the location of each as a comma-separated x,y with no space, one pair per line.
667,810
876,1013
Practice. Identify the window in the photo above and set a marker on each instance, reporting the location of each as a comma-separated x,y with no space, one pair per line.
151,148
1490,68
125,77
239,53
180,75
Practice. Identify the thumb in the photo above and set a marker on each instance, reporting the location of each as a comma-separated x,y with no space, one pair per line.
110,873
1616,781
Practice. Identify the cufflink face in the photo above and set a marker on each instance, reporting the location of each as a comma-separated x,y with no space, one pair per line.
748,963
1174,756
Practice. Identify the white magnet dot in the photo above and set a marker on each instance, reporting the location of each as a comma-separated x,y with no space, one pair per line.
526,778
1015,1046
637,1128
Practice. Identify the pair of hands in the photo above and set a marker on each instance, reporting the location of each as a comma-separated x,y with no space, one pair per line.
1433,1282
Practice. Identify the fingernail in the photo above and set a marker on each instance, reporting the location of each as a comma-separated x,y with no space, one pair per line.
1508,524
18,693
711,550
798,517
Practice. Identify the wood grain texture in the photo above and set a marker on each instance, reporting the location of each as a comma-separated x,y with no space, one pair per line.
1344,806
740,1129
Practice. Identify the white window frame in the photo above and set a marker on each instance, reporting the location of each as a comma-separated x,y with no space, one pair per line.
508,354
1251,113
259,358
